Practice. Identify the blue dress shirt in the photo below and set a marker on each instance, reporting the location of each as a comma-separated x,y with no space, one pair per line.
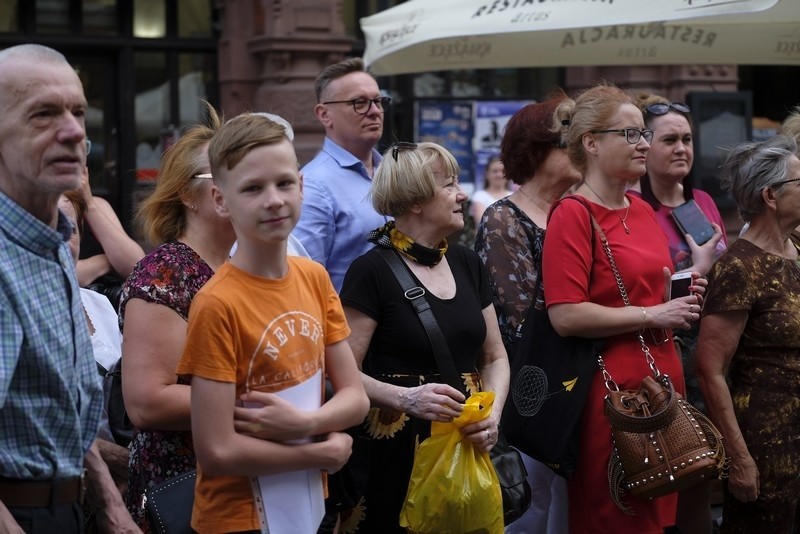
337,209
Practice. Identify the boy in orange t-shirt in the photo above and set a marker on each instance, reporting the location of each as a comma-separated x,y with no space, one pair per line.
264,324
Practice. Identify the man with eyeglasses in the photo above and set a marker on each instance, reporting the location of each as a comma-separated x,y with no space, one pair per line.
337,210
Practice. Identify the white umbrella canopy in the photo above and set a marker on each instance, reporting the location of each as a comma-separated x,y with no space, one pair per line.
433,35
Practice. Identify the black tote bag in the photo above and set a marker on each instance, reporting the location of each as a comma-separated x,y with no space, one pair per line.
550,379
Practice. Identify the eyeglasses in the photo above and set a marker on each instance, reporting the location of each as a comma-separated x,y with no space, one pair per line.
632,135
88,146
362,105
782,182
204,176
402,146
663,109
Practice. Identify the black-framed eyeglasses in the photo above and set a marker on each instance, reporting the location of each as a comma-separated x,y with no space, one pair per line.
402,146
662,109
632,135
783,182
362,105
203,176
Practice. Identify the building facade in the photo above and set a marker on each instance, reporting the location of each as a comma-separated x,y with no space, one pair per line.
145,65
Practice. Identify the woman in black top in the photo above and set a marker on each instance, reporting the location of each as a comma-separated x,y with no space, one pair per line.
418,186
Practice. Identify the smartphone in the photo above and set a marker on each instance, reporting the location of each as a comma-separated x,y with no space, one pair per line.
690,220
679,285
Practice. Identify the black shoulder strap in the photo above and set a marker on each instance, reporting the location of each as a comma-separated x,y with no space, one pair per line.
416,296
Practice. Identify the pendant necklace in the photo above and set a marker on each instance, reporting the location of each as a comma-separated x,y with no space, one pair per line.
621,219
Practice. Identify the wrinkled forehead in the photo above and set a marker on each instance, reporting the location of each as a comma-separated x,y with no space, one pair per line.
48,82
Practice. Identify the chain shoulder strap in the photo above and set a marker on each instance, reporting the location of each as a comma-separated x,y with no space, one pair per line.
610,384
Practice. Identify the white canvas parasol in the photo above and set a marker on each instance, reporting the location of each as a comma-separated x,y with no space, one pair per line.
433,35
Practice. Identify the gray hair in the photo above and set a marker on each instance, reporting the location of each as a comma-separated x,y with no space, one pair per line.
32,52
754,166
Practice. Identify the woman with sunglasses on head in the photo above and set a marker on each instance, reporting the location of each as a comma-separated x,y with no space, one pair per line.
666,186
608,142
417,185
748,348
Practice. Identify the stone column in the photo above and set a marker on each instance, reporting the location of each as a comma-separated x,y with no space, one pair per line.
270,53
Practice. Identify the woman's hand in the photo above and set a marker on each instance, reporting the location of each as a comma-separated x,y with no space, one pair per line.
703,256
743,478
677,313
434,402
483,434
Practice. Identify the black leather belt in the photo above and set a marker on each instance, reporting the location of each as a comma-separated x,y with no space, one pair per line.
16,493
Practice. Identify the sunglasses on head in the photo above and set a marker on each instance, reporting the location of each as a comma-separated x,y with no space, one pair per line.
663,109
400,146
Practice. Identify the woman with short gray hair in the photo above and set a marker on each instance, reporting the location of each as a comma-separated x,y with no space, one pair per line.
748,351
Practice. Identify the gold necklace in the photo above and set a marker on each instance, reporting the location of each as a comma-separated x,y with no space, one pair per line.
621,219
533,201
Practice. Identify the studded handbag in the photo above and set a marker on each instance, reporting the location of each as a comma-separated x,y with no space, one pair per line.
661,443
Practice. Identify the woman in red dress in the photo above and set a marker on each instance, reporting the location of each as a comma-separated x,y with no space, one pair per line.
607,141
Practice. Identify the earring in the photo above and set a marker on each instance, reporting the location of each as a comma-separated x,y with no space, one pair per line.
194,207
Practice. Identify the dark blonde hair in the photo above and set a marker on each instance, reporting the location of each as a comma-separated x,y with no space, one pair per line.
399,184
162,215
237,137
336,71
75,197
591,110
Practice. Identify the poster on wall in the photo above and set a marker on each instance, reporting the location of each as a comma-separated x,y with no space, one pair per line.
490,120
450,125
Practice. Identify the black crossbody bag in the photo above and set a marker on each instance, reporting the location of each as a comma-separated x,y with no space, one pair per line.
506,460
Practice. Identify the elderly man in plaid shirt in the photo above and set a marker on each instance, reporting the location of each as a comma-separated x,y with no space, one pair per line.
50,397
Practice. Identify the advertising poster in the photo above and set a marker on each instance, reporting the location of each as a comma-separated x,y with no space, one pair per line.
450,125
490,121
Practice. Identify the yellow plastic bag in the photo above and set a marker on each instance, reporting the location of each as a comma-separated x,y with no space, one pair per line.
453,486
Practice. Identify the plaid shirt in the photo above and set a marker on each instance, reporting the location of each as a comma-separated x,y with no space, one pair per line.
50,396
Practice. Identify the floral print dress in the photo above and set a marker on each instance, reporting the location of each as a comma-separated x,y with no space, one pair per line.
171,275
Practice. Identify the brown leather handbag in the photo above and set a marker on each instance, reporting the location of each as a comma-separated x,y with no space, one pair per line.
662,444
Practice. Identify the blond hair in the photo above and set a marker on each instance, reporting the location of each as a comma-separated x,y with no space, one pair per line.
401,183
162,215
591,110
237,137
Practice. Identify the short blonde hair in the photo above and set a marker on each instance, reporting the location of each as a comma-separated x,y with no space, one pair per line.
591,110
237,137
405,177
163,215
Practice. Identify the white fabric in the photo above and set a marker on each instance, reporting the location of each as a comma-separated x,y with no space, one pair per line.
106,341
549,509
425,36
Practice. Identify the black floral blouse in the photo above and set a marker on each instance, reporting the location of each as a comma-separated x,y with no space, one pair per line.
510,245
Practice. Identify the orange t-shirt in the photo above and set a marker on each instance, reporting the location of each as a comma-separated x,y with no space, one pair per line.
264,335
